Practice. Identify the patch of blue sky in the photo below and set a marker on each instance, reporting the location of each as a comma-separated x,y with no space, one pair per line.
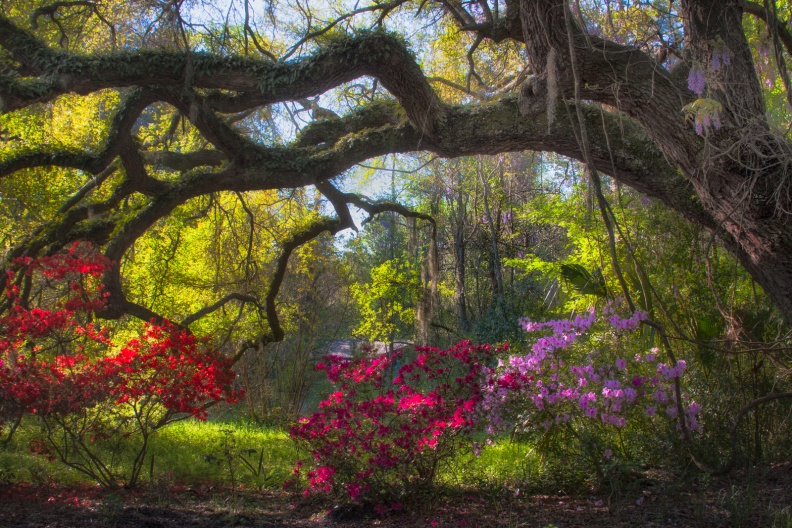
283,24
287,22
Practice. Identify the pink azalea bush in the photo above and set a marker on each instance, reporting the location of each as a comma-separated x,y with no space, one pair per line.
373,436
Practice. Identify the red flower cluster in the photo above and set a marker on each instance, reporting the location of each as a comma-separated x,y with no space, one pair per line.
166,364
164,367
371,436
81,267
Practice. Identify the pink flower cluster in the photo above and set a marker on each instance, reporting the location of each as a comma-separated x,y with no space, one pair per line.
696,81
720,58
629,324
372,434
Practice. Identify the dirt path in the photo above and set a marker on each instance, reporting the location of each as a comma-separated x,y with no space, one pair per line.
725,502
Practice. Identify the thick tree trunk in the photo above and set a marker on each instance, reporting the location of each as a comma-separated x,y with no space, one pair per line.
740,172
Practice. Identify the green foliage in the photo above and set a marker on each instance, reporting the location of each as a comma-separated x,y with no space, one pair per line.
687,282
178,455
740,503
234,459
583,281
181,452
505,463
193,452
499,322
387,303
783,518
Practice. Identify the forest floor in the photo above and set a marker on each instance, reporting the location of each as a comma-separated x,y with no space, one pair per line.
759,500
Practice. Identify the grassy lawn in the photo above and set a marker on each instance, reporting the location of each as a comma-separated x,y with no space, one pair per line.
192,452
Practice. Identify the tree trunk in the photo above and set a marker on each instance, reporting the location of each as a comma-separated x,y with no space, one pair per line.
459,273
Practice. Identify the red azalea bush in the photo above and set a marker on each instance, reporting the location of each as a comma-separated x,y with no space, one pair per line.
94,404
377,437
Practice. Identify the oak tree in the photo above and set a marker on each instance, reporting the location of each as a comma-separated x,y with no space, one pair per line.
662,96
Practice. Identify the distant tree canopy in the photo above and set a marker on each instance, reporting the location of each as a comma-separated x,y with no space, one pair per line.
118,116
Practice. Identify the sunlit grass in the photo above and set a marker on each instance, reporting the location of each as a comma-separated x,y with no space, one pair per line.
225,453
505,462
19,464
187,452
194,452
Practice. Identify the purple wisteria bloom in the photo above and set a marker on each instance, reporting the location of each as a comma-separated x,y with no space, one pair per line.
696,81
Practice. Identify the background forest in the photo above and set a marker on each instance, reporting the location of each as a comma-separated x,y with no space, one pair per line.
259,292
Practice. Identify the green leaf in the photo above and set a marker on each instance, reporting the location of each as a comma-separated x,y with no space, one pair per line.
583,281
707,329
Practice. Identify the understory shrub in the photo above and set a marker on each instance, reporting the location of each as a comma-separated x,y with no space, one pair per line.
578,393
97,405
574,392
382,438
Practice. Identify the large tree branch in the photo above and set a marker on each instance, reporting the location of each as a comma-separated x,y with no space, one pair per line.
203,312
120,131
72,159
375,54
652,96
739,171
25,48
325,133
214,129
301,237
332,225
186,161
736,178
619,148
328,148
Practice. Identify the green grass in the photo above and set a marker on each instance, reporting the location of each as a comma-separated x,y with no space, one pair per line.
19,464
197,452
187,452
505,462
193,452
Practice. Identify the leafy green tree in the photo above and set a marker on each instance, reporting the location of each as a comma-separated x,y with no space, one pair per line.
387,303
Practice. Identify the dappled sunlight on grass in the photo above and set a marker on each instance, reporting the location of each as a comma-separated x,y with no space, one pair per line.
503,462
187,452
193,451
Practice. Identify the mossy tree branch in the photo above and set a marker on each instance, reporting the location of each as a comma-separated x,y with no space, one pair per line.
649,146
375,54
